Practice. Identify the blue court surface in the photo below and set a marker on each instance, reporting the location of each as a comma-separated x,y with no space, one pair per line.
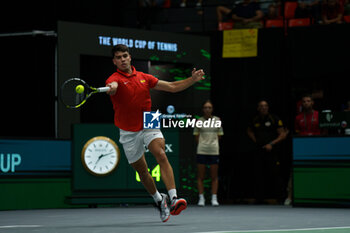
145,219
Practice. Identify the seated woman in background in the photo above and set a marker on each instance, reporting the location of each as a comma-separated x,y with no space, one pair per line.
244,15
332,12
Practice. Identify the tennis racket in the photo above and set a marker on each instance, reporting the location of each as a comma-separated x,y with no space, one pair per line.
72,98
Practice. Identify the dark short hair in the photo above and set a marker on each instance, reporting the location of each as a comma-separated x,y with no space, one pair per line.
307,95
207,101
119,48
263,100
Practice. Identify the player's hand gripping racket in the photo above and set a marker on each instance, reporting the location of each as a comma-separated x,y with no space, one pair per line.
74,92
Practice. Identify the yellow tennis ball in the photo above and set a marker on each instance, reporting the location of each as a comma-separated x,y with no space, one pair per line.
79,89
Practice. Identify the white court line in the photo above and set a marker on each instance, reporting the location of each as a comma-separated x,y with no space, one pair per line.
20,226
279,230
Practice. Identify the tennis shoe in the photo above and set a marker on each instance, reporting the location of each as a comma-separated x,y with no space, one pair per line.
177,205
201,201
164,208
288,201
214,202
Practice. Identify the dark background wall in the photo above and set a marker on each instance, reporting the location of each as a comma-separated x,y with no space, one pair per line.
27,86
286,67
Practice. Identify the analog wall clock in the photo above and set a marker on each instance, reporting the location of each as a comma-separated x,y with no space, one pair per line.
100,156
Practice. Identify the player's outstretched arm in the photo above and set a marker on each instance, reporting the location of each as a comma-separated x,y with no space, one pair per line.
181,85
113,86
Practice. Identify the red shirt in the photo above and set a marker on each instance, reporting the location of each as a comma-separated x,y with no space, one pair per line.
132,98
306,124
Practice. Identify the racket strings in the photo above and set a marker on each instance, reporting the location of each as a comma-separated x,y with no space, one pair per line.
69,95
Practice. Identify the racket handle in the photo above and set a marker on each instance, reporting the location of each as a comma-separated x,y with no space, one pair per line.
103,89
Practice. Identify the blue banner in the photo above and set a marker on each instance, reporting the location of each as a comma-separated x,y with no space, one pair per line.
321,148
35,157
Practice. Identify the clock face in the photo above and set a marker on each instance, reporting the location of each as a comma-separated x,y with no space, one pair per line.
100,156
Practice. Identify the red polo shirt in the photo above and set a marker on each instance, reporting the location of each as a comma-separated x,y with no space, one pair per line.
132,98
307,124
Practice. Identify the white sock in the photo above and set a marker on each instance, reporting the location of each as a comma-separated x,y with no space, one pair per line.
172,193
157,197
214,197
201,196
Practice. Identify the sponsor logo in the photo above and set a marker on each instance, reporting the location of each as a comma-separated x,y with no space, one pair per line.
151,120
156,120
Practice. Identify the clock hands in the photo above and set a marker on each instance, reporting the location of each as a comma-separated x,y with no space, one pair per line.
101,156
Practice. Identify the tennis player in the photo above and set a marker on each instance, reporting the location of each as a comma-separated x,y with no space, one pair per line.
129,92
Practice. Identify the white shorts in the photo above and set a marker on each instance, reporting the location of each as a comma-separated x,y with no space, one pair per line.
134,142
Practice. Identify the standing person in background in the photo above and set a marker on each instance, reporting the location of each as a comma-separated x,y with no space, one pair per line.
306,122
208,153
266,131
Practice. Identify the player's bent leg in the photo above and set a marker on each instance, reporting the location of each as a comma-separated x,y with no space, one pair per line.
146,179
157,148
